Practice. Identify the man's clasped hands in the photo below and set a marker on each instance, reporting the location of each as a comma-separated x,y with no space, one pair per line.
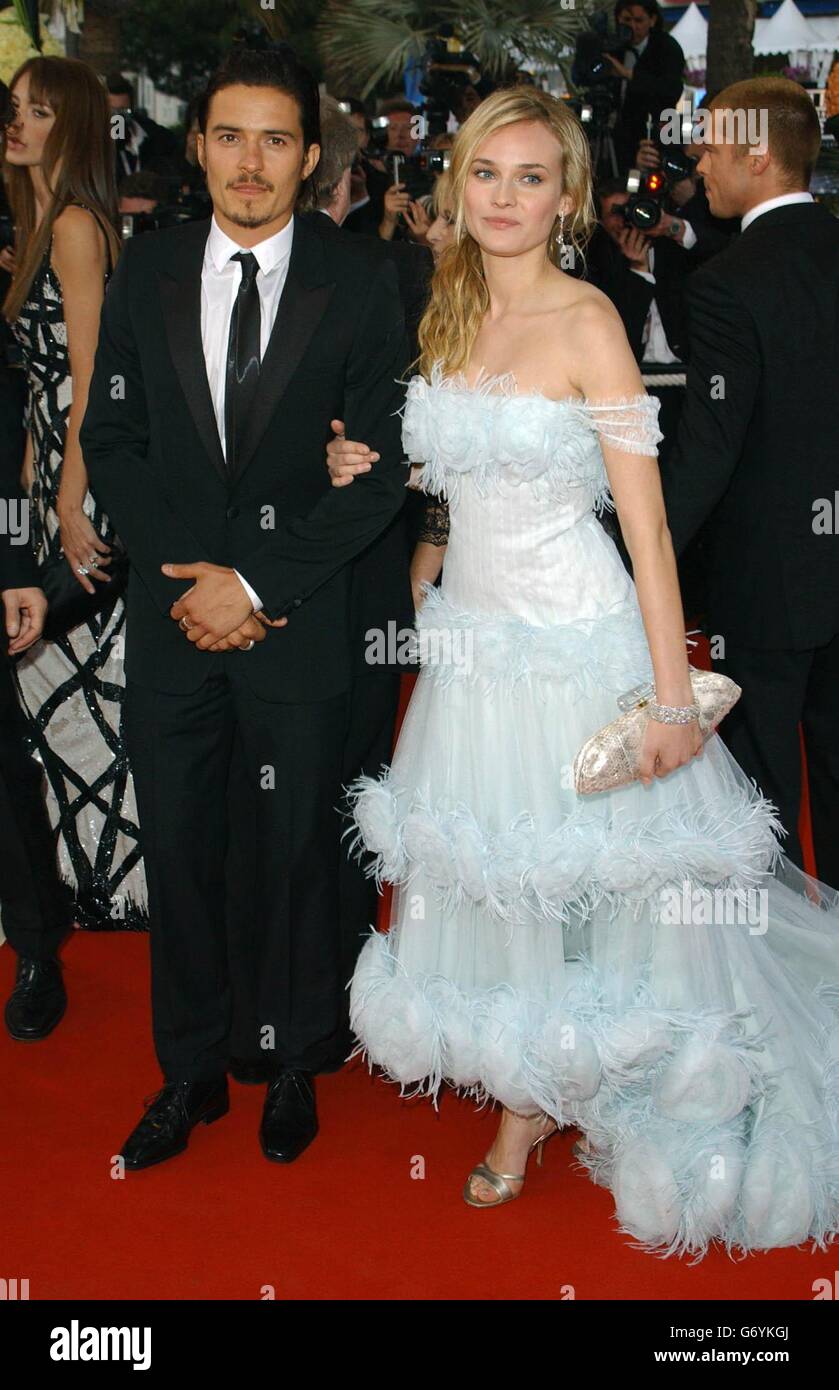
216,613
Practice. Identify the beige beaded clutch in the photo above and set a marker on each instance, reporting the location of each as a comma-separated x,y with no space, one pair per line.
610,757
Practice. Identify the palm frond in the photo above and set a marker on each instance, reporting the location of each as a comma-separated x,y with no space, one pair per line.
536,29
367,42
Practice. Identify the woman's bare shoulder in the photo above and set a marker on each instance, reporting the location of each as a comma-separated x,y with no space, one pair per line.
76,231
588,308
590,347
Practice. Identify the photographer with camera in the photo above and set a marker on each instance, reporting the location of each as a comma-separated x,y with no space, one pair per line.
145,144
387,210
650,72
690,222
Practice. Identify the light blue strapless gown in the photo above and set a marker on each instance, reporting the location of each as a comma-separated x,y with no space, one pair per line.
643,963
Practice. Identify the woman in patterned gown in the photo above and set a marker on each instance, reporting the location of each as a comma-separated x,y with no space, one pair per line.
58,166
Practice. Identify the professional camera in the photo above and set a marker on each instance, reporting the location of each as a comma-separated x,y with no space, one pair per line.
648,189
599,85
589,67
447,70
182,205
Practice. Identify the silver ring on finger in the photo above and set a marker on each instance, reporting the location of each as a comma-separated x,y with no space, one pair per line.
82,569
184,625
251,643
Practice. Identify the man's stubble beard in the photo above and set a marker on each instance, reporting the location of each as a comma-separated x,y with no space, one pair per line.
243,220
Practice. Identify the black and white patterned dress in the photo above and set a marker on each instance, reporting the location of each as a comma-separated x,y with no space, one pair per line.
72,689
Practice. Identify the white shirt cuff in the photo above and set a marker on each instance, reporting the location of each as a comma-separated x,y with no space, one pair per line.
645,274
251,593
688,237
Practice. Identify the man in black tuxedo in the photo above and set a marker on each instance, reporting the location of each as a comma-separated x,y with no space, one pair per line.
35,907
225,350
650,72
380,600
756,455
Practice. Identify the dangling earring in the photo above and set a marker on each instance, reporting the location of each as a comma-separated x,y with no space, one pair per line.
560,236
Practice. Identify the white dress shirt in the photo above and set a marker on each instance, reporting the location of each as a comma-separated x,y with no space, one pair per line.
783,201
220,280
654,338
134,137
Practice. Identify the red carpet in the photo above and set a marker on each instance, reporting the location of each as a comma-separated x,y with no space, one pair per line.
346,1221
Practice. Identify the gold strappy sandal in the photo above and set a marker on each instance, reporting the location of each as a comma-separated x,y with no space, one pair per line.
500,1181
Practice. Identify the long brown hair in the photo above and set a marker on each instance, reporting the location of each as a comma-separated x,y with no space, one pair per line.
459,294
77,165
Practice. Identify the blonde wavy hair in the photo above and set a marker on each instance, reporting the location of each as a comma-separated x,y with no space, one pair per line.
459,295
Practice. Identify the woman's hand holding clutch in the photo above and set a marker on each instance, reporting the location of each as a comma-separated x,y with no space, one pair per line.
637,746
666,747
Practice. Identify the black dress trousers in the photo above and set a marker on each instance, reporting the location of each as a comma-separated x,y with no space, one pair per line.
237,799
35,904
780,690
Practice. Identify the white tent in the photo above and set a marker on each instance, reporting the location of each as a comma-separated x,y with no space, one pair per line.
691,34
827,27
787,32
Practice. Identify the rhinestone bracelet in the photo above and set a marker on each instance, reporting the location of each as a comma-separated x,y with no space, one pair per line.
673,714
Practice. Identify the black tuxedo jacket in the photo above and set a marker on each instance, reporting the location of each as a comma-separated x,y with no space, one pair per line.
381,575
150,442
757,441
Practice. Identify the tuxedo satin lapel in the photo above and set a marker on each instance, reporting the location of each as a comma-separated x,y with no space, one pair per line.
302,305
180,296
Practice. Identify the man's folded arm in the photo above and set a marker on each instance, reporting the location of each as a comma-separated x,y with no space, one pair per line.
114,438
723,379
303,553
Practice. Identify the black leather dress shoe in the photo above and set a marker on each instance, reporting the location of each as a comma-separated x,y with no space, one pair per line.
252,1071
170,1117
289,1119
38,1000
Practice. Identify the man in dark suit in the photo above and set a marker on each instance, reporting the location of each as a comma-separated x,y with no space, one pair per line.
650,72
756,454
232,345
380,601
143,144
35,908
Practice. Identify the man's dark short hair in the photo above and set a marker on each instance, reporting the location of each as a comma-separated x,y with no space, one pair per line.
650,6
607,188
120,86
277,67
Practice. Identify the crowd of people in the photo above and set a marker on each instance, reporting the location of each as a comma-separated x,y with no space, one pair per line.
218,356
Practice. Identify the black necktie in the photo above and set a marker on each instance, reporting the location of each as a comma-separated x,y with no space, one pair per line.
242,368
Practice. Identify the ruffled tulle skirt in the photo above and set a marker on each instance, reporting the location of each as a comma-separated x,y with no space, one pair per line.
645,963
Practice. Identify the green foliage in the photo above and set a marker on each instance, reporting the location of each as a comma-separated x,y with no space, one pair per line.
181,42
365,44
